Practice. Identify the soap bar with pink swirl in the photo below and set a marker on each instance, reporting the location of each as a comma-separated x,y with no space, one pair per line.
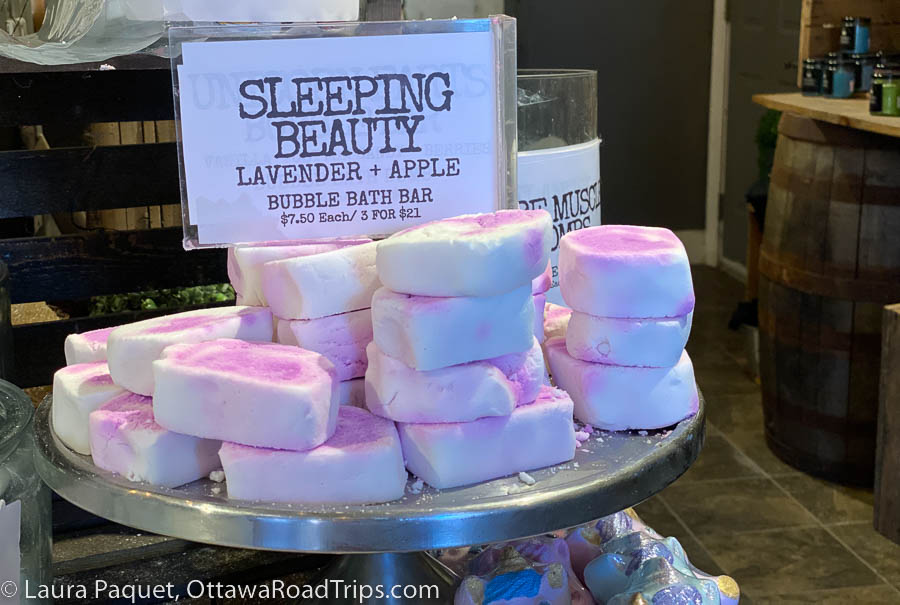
469,255
266,395
360,464
132,348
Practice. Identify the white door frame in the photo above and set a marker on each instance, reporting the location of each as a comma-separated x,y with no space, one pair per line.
716,138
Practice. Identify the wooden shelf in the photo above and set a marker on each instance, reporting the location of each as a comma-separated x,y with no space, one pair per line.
853,113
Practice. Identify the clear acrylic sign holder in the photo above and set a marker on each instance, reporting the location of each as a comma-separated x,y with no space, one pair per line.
285,130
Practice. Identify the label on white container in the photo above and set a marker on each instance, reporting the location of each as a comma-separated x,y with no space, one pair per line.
10,523
564,181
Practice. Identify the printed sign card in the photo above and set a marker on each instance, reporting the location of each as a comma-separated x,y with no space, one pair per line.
345,130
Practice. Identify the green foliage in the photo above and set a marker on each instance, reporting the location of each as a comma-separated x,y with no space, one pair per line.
766,137
161,299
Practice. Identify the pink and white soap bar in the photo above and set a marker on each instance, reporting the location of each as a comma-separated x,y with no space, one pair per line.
309,287
619,398
628,342
625,271
361,463
266,395
341,338
540,302
133,348
535,435
556,320
78,390
469,255
460,393
126,440
428,333
245,262
87,346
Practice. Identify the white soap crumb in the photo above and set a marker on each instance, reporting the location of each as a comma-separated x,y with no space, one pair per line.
217,490
217,476
107,67
643,433
526,479
416,488
575,465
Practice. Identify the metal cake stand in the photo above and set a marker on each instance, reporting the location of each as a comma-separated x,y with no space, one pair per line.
384,543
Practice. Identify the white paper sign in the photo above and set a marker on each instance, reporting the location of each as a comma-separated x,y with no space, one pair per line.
564,181
10,519
338,136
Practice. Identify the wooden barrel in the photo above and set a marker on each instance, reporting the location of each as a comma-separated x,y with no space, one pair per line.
829,262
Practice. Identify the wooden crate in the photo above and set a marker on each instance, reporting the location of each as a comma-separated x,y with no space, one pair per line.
820,25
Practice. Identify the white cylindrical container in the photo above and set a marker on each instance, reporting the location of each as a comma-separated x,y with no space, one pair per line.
559,151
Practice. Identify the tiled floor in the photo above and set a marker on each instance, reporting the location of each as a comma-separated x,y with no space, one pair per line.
784,536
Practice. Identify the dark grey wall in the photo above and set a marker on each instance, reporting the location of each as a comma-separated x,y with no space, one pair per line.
653,59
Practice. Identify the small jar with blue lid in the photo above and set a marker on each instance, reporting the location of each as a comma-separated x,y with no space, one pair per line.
855,34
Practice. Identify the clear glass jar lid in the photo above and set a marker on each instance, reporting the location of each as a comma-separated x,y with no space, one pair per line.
16,411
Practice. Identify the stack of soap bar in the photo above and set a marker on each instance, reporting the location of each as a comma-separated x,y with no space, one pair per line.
624,397
632,297
631,292
459,393
87,346
245,263
78,390
539,288
132,349
361,463
265,395
322,301
535,435
125,439
319,285
454,340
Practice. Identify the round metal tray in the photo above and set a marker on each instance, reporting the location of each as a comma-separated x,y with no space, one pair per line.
610,472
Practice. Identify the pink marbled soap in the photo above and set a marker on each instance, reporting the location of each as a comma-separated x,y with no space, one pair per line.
78,390
427,333
361,463
460,393
245,262
319,285
341,338
133,348
625,271
266,395
87,346
125,439
470,255
535,435
619,398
